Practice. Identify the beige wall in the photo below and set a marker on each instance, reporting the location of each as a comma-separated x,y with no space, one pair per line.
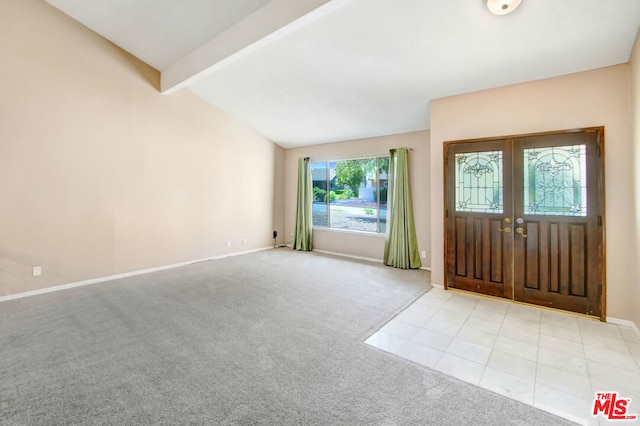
635,122
103,175
100,174
593,98
359,244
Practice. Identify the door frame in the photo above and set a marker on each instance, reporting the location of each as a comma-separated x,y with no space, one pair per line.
600,183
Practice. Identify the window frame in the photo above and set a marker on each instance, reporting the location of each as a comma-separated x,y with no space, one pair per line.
327,167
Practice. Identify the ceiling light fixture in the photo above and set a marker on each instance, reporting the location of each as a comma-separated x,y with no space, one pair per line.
502,7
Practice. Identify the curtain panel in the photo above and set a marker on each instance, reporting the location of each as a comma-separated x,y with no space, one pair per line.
401,244
303,230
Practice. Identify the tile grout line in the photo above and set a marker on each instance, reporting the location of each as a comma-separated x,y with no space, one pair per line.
504,315
586,360
444,351
484,370
535,374
468,319
628,343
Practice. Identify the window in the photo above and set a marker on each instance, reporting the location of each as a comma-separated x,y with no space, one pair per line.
351,194
555,180
478,182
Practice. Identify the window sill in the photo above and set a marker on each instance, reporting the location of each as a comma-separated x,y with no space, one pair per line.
349,231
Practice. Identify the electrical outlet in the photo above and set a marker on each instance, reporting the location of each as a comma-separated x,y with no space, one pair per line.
229,243
37,271
423,254
275,234
244,241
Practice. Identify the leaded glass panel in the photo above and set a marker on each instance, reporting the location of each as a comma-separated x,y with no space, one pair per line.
555,180
478,186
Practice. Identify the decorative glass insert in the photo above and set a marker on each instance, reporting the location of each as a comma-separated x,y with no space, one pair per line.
555,181
478,182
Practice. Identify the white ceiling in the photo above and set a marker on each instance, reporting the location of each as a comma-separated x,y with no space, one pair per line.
159,32
315,71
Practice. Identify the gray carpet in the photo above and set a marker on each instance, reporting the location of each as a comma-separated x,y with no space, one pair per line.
270,338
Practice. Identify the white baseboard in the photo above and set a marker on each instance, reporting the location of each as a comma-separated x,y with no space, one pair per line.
367,259
440,286
625,323
350,256
123,275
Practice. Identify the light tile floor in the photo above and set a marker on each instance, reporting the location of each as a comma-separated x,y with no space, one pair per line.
551,360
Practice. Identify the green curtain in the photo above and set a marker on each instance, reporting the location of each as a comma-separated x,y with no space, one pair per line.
401,245
303,231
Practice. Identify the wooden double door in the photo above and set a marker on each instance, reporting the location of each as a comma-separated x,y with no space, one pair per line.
524,218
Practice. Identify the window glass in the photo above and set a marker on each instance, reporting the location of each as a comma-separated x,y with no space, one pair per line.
350,194
320,208
383,170
555,180
478,185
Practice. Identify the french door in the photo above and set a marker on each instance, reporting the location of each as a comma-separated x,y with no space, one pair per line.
524,218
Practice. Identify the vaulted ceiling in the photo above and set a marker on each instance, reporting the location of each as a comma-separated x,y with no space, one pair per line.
314,71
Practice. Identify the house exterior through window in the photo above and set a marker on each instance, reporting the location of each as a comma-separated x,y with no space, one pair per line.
350,194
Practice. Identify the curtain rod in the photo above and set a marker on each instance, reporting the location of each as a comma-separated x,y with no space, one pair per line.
355,156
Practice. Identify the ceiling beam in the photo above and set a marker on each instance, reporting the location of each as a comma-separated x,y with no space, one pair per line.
272,21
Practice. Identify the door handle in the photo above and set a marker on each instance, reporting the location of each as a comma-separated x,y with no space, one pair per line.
520,230
506,230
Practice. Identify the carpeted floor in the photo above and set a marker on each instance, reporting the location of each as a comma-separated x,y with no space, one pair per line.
271,338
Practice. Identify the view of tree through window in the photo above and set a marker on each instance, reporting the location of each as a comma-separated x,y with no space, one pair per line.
351,194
